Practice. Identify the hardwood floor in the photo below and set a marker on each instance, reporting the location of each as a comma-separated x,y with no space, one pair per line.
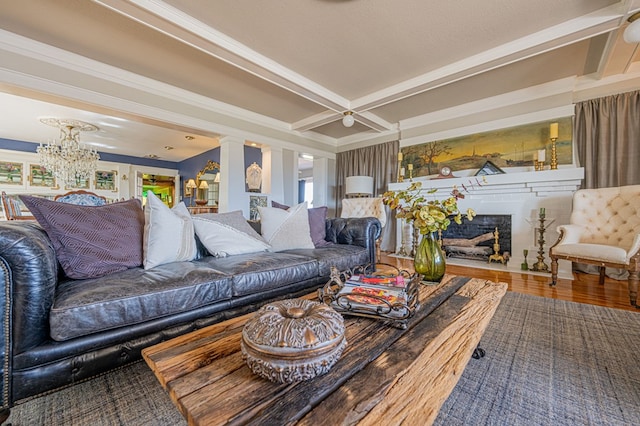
583,289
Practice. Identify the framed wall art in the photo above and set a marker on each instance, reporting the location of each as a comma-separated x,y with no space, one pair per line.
40,176
79,184
11,173
489,168
106,180
508,147
256,201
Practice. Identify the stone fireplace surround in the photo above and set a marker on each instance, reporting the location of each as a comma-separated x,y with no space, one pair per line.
520,194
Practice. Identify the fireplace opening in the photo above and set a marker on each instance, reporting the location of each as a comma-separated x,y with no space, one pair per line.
475,239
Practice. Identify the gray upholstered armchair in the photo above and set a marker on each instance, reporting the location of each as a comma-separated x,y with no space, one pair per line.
604,230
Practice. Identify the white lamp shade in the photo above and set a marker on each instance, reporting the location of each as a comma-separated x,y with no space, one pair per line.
632,32
348,120
359,185
203,184
217,179
191,183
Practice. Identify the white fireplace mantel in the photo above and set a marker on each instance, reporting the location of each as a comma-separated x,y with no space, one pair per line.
520,195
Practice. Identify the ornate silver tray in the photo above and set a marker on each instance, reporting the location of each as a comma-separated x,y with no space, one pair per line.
396,313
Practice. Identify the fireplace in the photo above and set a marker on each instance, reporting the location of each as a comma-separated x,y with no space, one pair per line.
519,195
475,239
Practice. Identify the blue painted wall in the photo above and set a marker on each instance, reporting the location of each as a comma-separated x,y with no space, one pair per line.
188,168
104,156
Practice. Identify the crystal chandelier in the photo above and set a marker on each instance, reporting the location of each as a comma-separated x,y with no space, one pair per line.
69,161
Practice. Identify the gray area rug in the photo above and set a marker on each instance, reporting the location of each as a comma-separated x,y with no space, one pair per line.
548,362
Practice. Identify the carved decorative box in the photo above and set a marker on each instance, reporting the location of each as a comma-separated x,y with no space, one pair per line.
293,340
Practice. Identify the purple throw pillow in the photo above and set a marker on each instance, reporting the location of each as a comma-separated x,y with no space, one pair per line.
91,241
317,219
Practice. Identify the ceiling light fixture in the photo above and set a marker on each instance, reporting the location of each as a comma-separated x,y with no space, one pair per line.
632,32
348,120
69,161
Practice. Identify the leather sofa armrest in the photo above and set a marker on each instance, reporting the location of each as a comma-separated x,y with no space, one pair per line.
360,231
30,277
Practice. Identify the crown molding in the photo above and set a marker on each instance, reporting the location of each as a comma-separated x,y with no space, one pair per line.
517,120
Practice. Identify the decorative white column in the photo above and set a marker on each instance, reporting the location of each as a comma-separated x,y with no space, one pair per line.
232,176
290,177
324,170
272,173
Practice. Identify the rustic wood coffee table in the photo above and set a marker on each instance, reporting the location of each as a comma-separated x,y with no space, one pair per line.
385,375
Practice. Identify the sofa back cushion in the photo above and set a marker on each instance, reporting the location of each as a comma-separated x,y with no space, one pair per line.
609,216
317,226
168,233
91,241
286,229
228,234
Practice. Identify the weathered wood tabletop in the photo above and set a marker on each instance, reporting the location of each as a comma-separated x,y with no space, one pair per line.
385,375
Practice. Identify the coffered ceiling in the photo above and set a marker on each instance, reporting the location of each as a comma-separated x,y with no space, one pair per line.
286,70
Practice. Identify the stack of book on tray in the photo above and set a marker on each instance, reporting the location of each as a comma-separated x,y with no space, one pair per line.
372,291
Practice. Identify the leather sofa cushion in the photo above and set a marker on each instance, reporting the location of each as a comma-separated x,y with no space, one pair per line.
341,256
134,296
256,272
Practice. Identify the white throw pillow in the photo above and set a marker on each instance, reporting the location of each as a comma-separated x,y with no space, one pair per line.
168,233
228,234
286,229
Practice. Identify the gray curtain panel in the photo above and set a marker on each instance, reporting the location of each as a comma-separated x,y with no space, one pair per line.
379,161
607,136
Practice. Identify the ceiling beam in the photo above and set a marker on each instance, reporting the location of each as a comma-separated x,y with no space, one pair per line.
316,120
186,29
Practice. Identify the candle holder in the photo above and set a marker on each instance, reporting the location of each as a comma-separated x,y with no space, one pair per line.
405,232
400,174
538,165
496,256
540,266
410,167
524,265
554,155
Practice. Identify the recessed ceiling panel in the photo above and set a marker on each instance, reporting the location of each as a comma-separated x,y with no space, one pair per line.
357,47
534,71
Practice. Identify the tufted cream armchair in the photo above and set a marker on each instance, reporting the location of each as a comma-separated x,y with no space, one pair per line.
604,230
366,207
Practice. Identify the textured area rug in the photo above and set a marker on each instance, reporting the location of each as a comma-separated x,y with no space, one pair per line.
547,362
551,362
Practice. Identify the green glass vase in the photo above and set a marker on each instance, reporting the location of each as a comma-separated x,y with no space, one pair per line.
429,260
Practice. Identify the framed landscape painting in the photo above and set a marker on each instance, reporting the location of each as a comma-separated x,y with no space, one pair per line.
508,147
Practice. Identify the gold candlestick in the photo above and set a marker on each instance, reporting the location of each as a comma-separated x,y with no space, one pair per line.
540,266
410,167
553,135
